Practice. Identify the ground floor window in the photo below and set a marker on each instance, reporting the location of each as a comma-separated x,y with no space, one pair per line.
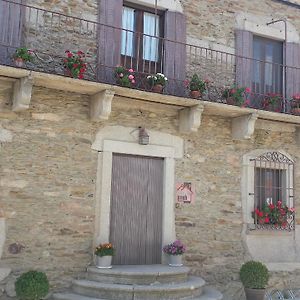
272,191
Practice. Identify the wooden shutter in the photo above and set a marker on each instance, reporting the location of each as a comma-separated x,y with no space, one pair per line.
109,38
174,65
293,69
244,52
11,25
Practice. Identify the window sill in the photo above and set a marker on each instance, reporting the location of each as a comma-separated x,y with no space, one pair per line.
269,232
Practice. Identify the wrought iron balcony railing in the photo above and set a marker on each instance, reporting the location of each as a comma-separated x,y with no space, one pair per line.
270,86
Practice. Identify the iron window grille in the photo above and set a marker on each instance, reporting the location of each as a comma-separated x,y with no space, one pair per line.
273,192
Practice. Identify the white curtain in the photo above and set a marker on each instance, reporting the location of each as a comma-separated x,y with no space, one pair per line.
150,43
127,36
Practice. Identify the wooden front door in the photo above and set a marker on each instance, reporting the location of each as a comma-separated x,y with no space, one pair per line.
136,209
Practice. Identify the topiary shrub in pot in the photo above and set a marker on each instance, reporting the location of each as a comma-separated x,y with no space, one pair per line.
254,276
32,285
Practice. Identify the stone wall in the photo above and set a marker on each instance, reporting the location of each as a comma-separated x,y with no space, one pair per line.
48,173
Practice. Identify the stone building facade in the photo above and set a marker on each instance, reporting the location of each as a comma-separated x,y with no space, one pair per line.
52,173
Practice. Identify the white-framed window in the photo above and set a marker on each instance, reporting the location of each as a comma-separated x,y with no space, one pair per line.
268,190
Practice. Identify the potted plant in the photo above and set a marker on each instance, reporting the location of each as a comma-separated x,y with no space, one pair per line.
124,77
157,82
254,276
103,254
276,215
175,251
237,96
295,104
32,285
22,55
272,102
74,64
196,86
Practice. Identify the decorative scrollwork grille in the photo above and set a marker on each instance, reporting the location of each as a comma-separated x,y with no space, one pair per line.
273,192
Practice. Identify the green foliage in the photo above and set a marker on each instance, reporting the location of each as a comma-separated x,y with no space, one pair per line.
254,275
124,77
238,94
75,64
24,53
106,249
32,285
158,78
196,84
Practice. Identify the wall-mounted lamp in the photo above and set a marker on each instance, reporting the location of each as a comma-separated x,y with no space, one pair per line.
143,136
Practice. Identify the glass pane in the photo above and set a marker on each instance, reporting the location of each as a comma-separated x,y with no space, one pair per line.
127,36
270,186
269,68
267,73
256,63
150,42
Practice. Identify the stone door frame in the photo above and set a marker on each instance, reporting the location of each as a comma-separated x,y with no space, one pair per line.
124,140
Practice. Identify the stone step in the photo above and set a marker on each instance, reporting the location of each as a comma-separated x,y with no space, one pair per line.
165,291
70,296
210,294
146,274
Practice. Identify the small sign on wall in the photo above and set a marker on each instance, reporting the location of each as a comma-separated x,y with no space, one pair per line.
185,192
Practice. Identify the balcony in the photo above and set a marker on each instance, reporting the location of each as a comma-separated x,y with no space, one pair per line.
49,34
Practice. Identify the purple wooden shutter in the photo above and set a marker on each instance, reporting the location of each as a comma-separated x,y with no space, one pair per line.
11,25
244,52
109,38
174,65
292,69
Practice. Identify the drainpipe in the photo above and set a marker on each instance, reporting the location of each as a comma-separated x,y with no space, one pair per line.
284,92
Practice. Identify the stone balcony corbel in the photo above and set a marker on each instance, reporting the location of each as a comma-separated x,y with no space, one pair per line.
190,118
100,105
22,91
243,126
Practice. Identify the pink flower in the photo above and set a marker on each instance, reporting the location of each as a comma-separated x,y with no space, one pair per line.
186,82
130,71
247,90
292,209
121,75
267,220
133,81
232,91
130,77
271,206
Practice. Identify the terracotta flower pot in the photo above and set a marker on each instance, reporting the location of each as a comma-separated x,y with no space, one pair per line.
230,101
195,94
19,62
295,111
255,294
158,88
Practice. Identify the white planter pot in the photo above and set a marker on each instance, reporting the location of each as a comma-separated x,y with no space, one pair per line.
103,262
2,235
175,260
